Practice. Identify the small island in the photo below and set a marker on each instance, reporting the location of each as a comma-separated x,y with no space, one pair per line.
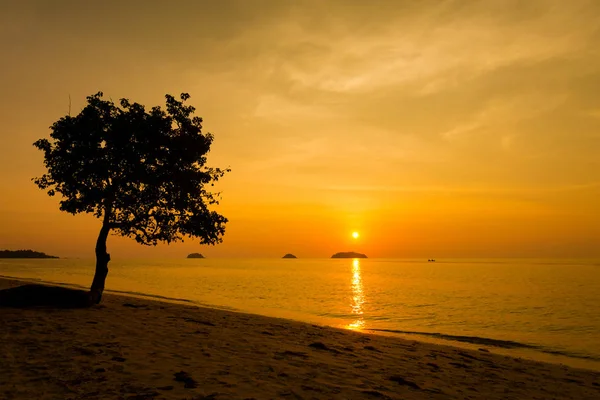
289,255
23,254
348,254
195,255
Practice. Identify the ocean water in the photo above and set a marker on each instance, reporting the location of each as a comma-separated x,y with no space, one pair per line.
541,309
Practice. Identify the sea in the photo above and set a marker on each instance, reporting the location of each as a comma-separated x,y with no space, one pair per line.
546,310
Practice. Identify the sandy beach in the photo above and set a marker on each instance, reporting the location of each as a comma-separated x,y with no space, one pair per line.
132,348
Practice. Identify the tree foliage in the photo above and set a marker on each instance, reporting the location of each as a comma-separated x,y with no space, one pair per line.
143,172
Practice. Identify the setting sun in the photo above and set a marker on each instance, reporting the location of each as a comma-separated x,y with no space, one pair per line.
355,235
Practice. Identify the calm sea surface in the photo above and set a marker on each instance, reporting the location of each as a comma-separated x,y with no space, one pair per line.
542,309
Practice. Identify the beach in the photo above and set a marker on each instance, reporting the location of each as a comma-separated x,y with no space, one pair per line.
137,348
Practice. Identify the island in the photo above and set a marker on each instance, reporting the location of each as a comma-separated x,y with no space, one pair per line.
348,254
195,255
289,255
23,254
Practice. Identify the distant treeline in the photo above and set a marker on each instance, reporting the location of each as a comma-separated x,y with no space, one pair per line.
23,254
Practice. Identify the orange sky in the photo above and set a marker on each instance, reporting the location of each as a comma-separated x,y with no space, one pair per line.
434,128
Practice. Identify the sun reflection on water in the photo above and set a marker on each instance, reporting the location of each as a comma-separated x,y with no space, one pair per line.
358,297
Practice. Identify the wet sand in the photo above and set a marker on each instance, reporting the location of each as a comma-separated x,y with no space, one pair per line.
132,348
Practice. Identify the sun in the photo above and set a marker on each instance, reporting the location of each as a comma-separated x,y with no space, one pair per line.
355,235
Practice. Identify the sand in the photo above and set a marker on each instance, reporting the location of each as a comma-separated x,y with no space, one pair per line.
132,348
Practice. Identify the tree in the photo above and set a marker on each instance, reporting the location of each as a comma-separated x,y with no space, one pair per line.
142,173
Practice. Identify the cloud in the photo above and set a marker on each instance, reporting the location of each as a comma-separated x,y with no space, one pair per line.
501,115
594,113
434,48
468,189
286,111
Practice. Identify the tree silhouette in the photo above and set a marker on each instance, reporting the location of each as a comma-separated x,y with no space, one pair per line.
142,173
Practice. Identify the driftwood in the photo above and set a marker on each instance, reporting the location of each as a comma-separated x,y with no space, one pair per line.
34,295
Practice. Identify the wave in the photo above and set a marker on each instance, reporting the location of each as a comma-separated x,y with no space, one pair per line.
152,296
157,296
123,292
505,344
74,285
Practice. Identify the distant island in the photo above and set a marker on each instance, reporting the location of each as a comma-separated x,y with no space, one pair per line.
348,254
195,255
23,254
289,255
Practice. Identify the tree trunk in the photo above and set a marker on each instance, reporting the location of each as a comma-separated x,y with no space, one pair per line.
102,259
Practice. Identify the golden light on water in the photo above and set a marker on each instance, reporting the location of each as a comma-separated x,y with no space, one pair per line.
358,296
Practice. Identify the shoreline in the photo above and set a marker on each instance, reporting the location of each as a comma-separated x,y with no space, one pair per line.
519,350
132,348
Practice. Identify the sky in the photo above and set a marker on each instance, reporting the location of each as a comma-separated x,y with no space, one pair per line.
433,128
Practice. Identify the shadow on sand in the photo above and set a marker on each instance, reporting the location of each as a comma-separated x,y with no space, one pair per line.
34,295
